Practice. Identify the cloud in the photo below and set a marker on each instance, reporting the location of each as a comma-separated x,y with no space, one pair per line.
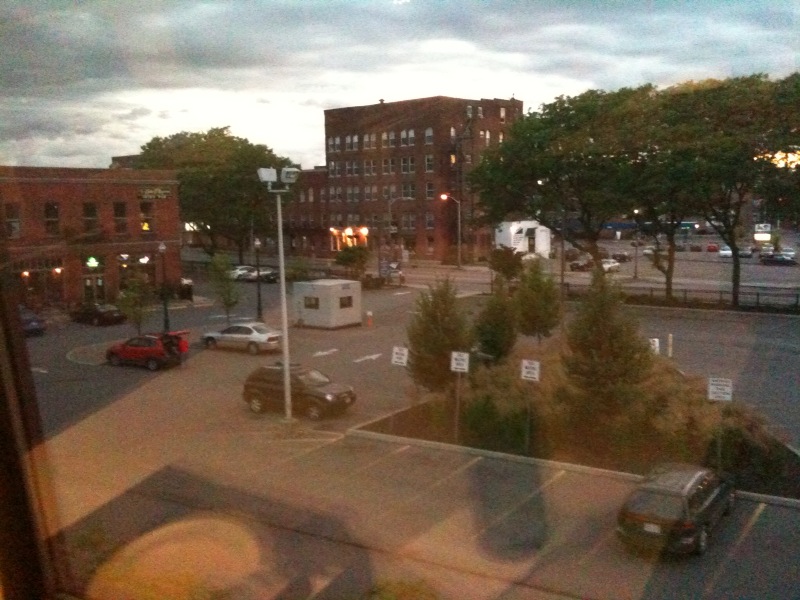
110,76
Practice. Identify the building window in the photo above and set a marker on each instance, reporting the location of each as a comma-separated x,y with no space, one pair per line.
90,221
385,192
488,137
311,302
374,192
311,194
302,196
348,167
367,193
355,142
452,134
337,144
500,138
349,193
429,220
404,138
392,191
356,193
13,223
429,163
355,167
468,159
384,140
409,191
330,144
120,217
502,114
429,136
392,140
345,302
469,111
411,137
480,112
430,190
147,217
51,218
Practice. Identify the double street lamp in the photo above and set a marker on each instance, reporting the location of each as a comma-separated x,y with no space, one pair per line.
446,197
162,250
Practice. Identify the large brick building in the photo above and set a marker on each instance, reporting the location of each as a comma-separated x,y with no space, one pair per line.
74,235
387,165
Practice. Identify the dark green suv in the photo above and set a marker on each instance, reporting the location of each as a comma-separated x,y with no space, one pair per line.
313,393
675,509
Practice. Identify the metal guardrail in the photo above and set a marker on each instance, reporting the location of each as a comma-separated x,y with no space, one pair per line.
755,298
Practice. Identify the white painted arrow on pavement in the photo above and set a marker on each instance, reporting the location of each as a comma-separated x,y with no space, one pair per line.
325,352
368,357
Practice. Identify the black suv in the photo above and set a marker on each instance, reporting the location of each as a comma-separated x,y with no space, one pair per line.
313,393
675,508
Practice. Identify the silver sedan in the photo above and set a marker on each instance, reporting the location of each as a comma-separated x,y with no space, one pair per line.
254,337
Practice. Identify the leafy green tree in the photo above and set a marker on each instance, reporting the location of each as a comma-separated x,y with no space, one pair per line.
220,193
506,262
134,301
607,358
438,328
565,166
495,327
354,259
536,301
224,287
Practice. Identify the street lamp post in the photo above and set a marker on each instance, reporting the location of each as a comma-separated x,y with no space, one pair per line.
636,245
162,250
446,197
269,176
257,247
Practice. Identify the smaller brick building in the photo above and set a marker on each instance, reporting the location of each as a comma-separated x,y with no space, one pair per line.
74,235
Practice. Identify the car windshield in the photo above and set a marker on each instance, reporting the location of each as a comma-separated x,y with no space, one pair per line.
314,378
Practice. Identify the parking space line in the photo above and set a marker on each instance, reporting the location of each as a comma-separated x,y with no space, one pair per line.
712,582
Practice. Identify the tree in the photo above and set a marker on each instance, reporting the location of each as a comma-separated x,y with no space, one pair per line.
495,327
536,301
224,287
438,328
134,301
220,193
606,357
506,262
354,259
565,166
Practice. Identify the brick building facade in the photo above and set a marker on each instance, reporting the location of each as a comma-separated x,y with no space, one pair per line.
387,165
74,235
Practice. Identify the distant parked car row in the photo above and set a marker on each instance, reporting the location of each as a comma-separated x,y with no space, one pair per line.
251,273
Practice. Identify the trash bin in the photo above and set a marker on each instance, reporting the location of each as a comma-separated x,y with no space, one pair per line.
186,289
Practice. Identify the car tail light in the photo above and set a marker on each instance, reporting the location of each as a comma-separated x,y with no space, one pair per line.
685,527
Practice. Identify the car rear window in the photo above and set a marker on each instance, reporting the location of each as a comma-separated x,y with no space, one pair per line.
314,378
647,503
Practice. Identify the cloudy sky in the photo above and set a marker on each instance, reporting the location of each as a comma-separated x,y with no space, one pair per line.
83,80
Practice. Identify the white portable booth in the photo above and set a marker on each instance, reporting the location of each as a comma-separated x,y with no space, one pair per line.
327,303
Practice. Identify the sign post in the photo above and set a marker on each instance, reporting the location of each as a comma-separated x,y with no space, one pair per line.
459,363
530,372
720,390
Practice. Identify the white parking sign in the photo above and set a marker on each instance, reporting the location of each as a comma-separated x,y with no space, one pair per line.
530,370
400,356
459,362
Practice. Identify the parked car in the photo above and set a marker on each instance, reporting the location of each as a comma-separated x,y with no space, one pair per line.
725,252
649,251
154,351
242,272
254,337
610,265
675,509
98,314
267,274
766,249
712,247
745,252
621,256
777,260
586,264
788,251
32,323
313,392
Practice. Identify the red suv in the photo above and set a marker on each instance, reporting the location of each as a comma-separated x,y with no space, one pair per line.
154,351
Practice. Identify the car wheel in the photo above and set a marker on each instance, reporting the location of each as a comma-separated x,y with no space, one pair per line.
256,404
114,360
252,348
314,412
152,364
210,343
731,503
702,541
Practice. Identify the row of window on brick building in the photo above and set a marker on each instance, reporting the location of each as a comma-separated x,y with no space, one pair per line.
53,221
367,193
406,137
406,221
